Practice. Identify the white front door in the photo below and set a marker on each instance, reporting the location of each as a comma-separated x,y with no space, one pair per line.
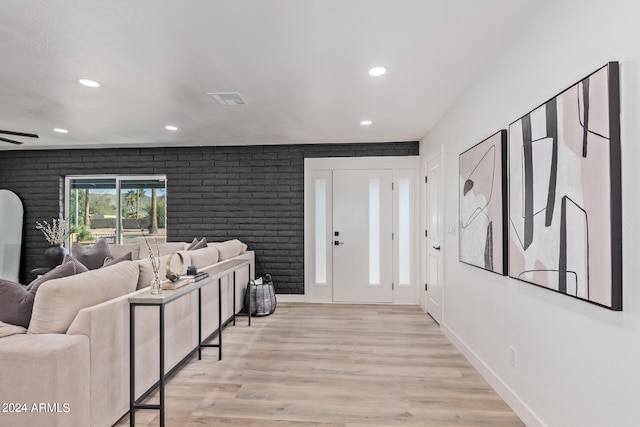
362,253
434,237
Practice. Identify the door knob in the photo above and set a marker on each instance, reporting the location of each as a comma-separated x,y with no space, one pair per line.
437,248
336,243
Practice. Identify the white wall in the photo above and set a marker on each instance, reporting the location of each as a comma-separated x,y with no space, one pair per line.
577,364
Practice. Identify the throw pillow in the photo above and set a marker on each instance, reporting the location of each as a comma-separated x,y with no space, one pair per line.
204,257
145,274
197,244
229,249
69,267
15,303
110,261
91,256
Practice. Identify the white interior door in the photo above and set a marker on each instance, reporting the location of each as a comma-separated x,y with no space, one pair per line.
362,236
434,237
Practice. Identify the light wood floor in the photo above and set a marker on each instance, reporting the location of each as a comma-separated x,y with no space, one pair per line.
332,365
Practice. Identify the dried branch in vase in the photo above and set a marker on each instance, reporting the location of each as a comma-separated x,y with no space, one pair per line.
57,232
154,258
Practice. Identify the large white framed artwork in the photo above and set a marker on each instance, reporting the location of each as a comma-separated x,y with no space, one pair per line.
565,221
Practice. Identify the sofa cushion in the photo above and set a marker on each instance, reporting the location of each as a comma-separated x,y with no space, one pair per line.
91,256
171,247
110,260
229,249
163,248
204,257
197,244
16,301
117,251
58,301
6,330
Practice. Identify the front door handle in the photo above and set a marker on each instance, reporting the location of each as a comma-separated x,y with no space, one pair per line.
337,243
437,248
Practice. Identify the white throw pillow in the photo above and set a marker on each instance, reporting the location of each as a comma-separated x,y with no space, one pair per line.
229,249
204,257
146,270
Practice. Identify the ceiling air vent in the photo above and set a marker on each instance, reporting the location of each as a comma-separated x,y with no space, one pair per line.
227,99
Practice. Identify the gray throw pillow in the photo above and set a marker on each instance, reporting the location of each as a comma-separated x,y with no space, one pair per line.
197,244
16,301
91,256
69,267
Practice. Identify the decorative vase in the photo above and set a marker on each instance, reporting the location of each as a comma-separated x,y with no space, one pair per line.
155,286
54,255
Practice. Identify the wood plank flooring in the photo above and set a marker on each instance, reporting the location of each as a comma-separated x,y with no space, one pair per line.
332,365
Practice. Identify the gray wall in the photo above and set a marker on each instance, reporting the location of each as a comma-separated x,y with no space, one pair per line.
252,193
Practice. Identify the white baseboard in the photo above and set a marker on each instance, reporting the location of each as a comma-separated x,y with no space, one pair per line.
289,298
504,391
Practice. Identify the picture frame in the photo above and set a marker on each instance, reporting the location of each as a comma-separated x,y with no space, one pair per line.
482,226
565,214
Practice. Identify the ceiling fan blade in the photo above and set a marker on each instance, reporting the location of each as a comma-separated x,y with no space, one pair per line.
10,141
28,135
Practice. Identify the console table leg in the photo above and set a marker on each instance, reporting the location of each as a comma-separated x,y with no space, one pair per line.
220,319
199,323
162,366
132,364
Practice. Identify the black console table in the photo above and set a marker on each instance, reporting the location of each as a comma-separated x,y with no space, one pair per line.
216,273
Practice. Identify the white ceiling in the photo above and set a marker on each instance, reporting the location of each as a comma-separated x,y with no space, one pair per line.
301,65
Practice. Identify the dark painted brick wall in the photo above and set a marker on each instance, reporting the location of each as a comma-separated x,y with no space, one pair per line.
252,193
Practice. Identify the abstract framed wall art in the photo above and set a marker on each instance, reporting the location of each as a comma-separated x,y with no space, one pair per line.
482,236
565,217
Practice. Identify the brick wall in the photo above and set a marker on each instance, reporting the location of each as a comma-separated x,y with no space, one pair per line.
252,193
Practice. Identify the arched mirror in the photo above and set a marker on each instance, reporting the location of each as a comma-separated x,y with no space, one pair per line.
11,220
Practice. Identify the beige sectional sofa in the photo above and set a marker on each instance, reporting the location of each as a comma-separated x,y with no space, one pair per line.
71,368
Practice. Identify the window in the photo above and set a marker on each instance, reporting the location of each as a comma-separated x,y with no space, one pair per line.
374,231
404,232
116,208
321,231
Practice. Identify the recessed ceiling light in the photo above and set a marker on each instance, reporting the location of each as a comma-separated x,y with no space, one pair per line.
60,130
377,71
366,122
170,127
89,83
